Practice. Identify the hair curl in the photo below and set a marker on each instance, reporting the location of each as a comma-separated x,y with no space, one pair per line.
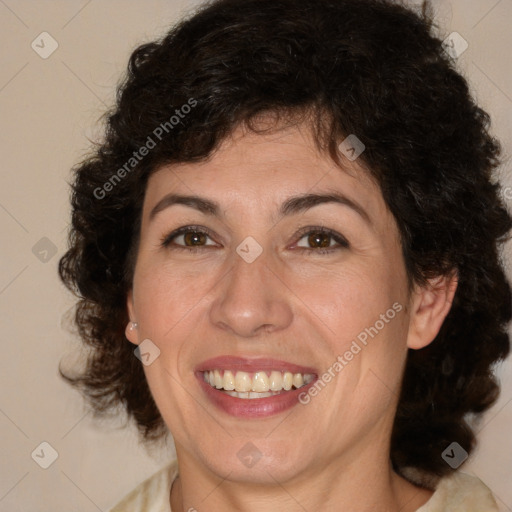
369,67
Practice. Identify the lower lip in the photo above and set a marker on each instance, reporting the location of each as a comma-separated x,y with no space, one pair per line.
252,407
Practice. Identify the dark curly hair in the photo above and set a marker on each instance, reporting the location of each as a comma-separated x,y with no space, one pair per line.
373,68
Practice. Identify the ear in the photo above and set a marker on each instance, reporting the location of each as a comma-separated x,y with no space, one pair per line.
131,334
430,305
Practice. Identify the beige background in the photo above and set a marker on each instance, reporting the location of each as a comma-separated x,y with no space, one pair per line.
48,108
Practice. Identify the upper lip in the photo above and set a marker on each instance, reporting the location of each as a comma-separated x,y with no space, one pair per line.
245,364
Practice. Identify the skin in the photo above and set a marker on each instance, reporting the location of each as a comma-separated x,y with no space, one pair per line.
302,307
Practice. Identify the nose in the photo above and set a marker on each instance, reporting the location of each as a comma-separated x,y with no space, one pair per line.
252,298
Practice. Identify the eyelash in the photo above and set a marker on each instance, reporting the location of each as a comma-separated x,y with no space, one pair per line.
343,243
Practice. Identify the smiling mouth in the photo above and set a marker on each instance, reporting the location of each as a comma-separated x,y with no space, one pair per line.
259,384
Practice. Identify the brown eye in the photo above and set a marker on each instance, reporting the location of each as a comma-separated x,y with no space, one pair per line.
318,240
188,237
194,238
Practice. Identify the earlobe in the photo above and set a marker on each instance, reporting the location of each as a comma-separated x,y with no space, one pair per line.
131,332
431,305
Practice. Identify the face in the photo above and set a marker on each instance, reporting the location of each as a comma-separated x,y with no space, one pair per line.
263,288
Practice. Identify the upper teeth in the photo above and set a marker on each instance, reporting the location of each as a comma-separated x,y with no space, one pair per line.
259,381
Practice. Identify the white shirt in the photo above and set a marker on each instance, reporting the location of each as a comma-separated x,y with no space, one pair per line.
458,492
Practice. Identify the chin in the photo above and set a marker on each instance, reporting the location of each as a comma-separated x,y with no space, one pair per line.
257,461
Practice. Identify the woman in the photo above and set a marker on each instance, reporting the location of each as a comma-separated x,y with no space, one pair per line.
286,253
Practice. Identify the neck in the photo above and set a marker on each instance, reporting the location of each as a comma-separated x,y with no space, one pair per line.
366,485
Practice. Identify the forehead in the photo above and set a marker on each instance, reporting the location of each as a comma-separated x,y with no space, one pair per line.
250,171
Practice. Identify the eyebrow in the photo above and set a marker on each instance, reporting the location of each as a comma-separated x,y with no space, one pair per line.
291,206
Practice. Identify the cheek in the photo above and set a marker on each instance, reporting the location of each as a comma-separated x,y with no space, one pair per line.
170,313
348,300
164,294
